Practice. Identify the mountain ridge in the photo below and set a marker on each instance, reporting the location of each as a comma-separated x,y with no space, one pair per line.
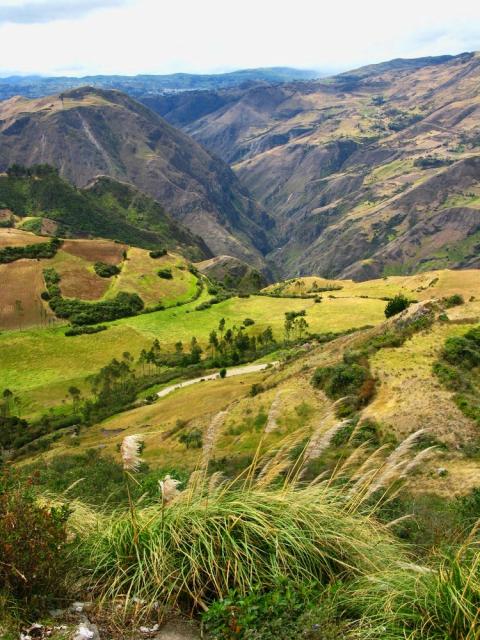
86,132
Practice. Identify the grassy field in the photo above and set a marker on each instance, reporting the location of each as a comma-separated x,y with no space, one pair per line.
140,275
421,286
40,364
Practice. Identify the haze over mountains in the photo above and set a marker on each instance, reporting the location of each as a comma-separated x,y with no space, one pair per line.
371,172
141,86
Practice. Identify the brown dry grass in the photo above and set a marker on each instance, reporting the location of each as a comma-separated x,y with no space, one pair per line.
78,279
19,238
22,282
95,250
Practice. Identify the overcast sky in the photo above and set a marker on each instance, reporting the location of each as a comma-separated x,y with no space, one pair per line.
78,37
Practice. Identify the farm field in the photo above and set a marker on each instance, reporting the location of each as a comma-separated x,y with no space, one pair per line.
40,364
22,282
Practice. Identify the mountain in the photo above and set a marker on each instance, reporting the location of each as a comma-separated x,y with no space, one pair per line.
89,132
144,85
369,172
233,273
45,203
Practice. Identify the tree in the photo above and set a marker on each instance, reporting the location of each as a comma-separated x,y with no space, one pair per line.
7,402
221,327
301,326
213,342
396,305
195,351
74,393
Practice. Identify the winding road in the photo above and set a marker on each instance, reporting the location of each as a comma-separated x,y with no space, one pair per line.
235,371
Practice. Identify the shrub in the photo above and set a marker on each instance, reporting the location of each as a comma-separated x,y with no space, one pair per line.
255,389
105,270
396,305
272,615
32,544
192,439
158,253
453,301
248,322
79,331
340,380
32,251
165,273
203,306
223,372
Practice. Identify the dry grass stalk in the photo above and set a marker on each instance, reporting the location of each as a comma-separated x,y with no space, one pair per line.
210,437
130,451
321,440
395,465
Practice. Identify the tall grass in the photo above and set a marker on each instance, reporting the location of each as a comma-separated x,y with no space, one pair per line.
268,524
237,537
435,603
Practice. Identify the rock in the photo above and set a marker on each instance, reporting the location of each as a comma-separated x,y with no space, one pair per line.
179,631
86,631
77,607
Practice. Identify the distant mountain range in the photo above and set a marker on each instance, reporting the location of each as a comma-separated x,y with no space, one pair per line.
367,173
144,85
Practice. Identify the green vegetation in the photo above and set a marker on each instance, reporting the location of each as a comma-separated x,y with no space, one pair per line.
106,270
106,208
159,253
458,369
31,251
32,549
80,331
165,273
396,305
80,313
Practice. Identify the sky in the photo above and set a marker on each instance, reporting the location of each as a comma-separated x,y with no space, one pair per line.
81,37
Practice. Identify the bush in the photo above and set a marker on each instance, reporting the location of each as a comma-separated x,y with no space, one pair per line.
223,373
79,312
79,331
453,301
340,380
165,273
32,544
272,615
192,439
105,270
158,253
255,389
396,305
32,251
248,322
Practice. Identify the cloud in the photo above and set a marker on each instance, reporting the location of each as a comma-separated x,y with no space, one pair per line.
49,10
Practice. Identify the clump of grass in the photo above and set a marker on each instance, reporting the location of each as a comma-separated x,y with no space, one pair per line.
235,537
410,601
